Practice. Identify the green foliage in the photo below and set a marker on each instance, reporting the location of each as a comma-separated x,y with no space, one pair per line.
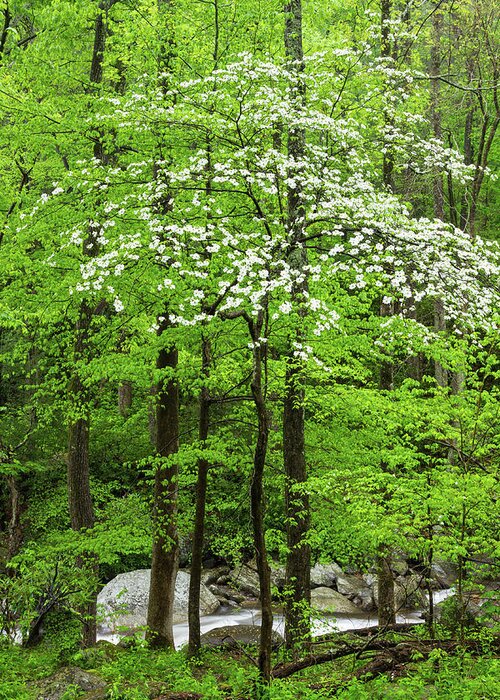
440,678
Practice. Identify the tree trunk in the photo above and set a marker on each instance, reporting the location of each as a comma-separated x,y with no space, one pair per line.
201,500
15,508
81,508
440,372
258,508
125,398
385,579
386,52
297,625
385,584
80,499
165,558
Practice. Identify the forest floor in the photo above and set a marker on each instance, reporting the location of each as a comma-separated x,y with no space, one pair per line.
402,667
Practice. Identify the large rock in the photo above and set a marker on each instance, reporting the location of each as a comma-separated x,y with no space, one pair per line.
327,600
215,575
443,574
357,590
124,599
62,682
399,566
325,574
246,578
234,635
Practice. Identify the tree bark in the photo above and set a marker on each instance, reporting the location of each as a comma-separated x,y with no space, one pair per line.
297,625
5,29
165,557
440,372
125,398
194,644
15,508
385,580
257,504
80,499
81,508
385,584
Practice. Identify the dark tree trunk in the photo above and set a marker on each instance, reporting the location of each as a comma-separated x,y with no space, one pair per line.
5,29
385,584
81,509
165,559
201,500
297,625
385,579
258,507
15,508
125,398
440,372
386,51
80,499
435,69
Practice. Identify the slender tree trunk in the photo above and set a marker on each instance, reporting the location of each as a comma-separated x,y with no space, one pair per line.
258,507
80,499
81,509
440,372
385,579
297,625
429,560
385,583
165,560
125,398
5,28
201,500
15,508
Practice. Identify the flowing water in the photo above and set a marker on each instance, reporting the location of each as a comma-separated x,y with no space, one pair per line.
322,625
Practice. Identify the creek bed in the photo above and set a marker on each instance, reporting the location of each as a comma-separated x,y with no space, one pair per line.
252,616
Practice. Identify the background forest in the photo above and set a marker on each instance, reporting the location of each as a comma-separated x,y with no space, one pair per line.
249,274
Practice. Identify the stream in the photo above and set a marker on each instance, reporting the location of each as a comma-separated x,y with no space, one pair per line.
252,616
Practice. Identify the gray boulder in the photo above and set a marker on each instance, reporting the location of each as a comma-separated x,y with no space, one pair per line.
58,685
399,566
357,590
226,595
370,579
124,600
218,573
325,574
443,575
246,579
327,600
233,635
409,593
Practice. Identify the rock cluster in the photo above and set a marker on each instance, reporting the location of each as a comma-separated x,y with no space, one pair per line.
332,588
124,600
